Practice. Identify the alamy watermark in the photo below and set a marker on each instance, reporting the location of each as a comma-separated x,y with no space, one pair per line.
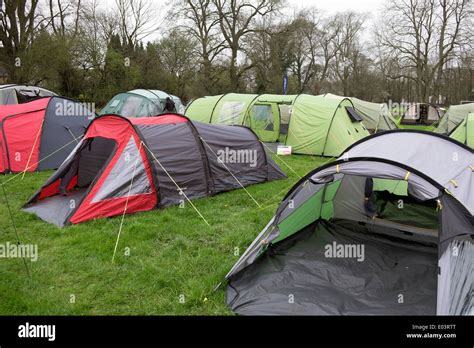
15,250
345,251
68,108
28,330
244,156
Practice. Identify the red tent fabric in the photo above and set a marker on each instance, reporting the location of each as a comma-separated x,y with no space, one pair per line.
21,126
35,136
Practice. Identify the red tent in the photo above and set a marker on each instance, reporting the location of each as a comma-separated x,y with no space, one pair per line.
39,135
141,163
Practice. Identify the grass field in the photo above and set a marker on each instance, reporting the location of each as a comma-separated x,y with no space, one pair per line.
175,259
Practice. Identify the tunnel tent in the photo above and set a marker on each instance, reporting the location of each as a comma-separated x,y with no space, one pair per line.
17,94
140,103
143,163
39,135
421,114
464,132
455,115
338,245
312,125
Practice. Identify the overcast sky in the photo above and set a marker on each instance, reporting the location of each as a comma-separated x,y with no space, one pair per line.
333,6
370,7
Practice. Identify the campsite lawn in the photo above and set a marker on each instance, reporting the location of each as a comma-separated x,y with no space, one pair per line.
174,255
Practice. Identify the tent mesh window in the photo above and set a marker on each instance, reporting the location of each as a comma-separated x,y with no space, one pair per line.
230,113
262,117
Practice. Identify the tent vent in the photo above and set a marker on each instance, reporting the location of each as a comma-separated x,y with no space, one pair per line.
354,116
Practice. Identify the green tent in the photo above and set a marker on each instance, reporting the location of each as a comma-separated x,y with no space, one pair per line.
376,117
313,125
464,132
455,115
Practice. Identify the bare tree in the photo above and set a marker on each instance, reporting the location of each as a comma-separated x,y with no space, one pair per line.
17,26
314,49
425,35
63,11
137,19
346,43
236,21
200,21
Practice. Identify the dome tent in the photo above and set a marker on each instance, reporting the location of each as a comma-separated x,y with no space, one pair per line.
38,135
339,245
141,163
140,103
17,94
312,125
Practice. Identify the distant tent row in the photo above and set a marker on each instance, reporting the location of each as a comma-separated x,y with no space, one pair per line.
313,125
141,103
138,164
40,134
17,94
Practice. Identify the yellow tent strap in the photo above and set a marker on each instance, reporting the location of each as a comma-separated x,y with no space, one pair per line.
407,175
454,183
337,168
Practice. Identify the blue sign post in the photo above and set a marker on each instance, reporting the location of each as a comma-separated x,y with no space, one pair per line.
285,83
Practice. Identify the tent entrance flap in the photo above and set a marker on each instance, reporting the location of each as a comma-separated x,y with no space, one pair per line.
308,268
72,182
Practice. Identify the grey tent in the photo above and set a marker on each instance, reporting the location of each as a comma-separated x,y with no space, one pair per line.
381,231
17,94
141,103
139,164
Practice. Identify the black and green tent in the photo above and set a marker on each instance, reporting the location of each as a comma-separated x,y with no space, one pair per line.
381,230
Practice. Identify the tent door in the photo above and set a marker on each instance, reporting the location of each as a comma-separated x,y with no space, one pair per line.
265,121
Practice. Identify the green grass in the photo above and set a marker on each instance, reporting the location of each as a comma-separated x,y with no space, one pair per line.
172,253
